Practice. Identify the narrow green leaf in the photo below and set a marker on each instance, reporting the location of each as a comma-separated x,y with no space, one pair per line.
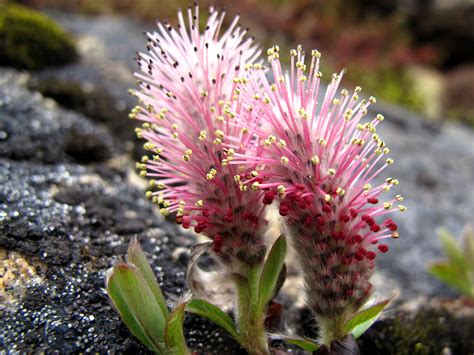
214,314
364,319
468,247
271,271
452,276
136,305
303,343
137,257
174,335
452,250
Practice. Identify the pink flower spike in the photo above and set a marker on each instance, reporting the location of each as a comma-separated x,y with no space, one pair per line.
321,155
190,83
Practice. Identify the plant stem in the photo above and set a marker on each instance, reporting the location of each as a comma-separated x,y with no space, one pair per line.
250,319
331,329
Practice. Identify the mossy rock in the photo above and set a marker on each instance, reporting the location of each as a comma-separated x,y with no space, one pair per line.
31,40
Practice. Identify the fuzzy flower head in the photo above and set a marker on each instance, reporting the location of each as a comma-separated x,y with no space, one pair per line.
190,83
321,159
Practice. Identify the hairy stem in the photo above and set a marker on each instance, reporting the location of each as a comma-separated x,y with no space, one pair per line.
331,329
250,319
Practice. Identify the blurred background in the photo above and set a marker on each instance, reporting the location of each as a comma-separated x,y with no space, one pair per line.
419,54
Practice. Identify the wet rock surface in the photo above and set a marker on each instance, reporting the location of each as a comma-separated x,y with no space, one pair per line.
68,207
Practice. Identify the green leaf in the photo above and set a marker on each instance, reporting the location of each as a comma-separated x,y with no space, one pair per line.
451,249
271,271
303,343
362,320
137,257
468,247
136,305
452,276
174,335
213,313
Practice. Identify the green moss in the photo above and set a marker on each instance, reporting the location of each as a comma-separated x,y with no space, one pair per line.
30,40
427,332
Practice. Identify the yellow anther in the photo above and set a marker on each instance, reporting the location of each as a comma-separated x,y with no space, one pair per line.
199,203
281,190
340,191
224,162
245,130
355,97
328,198
213,108
174,126
156,158
380,117
140,166
255,185
336,102
273,87
237,178
149,194
302,78
202,135
219,134
256,96
315,159
389,161
186,157
387,205
254,173
149,146
367,187
315,53
322,142
145,158
372,100
293,53
357,89
318,75
378,151
164,211
332,172
395,182
344,92
217,141
395,235
399,198
204,93
142,173
284,160
272,138
160,186
402,208
281,143
175,135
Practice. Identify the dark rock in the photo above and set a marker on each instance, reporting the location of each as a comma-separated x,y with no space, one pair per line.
38,131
